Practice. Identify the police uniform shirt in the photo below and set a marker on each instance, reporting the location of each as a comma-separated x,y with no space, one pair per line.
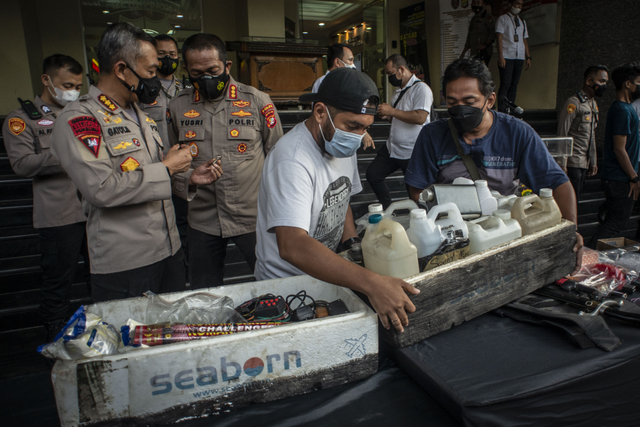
159,109
242,127
403,136
578,119
481,31
506,25
27,141
116,164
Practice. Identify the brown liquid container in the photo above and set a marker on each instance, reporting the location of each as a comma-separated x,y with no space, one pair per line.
543,213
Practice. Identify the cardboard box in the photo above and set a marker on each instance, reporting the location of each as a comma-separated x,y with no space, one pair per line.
163,384
464,289
613,243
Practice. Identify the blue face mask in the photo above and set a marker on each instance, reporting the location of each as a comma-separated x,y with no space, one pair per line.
343,144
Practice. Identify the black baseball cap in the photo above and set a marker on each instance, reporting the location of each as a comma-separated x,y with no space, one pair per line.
347,89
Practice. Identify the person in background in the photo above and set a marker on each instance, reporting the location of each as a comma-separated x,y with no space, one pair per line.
410,111
503,150
57,211
303,206
513,52
481,33
158,110
578,119
113,153
621,151
221,117
338,56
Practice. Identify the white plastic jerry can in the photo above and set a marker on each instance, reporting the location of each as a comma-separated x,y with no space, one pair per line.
424,233
387,249
543,212
495,230
453,217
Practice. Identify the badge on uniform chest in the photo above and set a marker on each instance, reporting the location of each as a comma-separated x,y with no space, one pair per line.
516,38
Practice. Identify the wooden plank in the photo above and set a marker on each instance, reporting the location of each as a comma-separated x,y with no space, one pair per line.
465,289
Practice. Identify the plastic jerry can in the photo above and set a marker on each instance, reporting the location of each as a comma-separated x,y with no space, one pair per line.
543,213
464,196
424,233
504,201
387,249
363,221
488,203
453,218
495,230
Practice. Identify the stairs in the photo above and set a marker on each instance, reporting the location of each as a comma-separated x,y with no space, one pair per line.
21,276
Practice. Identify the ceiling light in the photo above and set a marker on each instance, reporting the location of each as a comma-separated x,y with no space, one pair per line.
321,24
179,16
176,26
305,32
368,28
109,23
105,11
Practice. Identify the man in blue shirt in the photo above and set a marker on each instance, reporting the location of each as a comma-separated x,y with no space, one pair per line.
505,151
621,151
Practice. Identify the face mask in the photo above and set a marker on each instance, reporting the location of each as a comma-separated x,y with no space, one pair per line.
476,9
599,89
167,65
347,65
515,10
64,97
466,118
211,87
394,81
343,144
147,90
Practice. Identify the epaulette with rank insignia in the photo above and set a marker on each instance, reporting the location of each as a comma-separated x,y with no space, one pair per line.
581,97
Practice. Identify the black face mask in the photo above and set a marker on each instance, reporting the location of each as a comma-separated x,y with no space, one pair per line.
598,90
168,65
209,86
147,90
394,81
466,118
476,9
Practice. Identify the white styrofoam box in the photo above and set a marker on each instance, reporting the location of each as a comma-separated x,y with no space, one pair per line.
169,382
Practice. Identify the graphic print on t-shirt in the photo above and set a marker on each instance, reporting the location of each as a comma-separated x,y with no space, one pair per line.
335,203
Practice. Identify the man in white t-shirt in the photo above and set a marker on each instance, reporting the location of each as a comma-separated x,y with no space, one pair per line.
513,52
338,56
409,111
303,203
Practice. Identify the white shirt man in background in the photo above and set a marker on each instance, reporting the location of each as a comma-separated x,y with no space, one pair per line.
408,113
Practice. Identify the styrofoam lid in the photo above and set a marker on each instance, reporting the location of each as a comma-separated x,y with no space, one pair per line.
546,192
418,213
375,218
503,214
375,207
481,183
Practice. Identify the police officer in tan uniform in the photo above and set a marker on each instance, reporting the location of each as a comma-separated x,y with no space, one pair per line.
158,110
481,33
578,118
57,211
220,117
113,153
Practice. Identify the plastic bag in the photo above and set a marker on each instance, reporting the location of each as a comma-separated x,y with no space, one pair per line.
84,336
196,308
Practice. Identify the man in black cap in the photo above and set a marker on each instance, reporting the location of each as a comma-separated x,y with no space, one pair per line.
303,203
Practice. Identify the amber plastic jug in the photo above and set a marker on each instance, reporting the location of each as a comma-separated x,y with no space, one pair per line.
388,251
543,213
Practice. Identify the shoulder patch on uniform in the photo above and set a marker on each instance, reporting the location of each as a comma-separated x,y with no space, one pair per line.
233,92
571,108
16,126
269,113
87,130
241,103
107,102
130,164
